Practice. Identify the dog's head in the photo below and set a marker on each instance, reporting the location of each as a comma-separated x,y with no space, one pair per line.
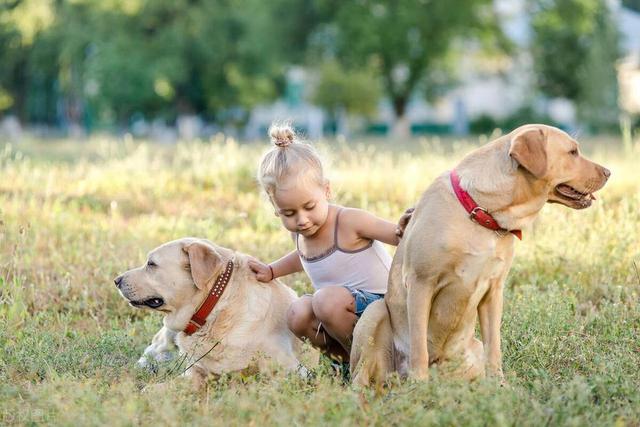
173,275
548,154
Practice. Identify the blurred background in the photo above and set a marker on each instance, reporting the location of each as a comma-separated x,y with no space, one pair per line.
186,69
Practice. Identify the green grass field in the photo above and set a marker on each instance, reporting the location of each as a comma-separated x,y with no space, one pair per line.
74,215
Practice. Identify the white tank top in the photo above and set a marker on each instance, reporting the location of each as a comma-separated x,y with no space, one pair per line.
365,269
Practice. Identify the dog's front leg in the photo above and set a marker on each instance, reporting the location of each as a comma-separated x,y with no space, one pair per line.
419,296
490,316
161,349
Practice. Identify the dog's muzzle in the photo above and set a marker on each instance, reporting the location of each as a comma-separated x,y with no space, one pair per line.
125,291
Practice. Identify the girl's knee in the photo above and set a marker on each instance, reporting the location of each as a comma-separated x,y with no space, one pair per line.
300,316
329,303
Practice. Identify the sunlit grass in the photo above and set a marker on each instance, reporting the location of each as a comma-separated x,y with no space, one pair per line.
73,215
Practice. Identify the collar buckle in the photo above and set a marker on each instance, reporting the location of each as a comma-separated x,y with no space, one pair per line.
501,232
474,213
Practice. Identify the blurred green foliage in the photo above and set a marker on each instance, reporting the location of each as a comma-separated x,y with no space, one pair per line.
108,61
338,90
574,49
159,57
112,59
408,41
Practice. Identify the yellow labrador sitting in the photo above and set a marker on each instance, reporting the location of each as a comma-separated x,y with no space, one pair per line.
449,268
246,328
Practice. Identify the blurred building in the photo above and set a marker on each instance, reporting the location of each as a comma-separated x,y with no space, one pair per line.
489,87
494,88
629,66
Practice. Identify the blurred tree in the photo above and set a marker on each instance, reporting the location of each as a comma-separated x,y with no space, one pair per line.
11,59
292,24
406,40
62,58
185,56
562,32
574,48
598,98
20,23
345,92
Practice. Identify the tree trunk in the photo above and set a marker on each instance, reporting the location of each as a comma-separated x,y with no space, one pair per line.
401,128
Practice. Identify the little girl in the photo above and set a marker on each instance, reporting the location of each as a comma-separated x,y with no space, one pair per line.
339,248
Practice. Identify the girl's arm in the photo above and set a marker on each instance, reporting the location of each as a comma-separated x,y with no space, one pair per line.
369,226
288,264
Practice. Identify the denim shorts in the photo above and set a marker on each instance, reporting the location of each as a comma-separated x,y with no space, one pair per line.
363,299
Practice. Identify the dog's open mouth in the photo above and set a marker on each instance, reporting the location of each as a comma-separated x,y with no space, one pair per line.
573,197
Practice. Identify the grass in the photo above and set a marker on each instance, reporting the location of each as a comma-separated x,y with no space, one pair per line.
73,215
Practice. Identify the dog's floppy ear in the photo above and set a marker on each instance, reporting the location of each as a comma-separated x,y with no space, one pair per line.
204,261
529,149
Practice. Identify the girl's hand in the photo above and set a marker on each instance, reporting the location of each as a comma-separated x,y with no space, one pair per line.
263,272
403,221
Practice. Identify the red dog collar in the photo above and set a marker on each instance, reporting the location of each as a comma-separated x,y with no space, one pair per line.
476,213
200,317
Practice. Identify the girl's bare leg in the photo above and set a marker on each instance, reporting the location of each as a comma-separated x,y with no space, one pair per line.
334,307
306,326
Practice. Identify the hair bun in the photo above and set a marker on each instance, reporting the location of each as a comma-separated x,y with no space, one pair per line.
281,135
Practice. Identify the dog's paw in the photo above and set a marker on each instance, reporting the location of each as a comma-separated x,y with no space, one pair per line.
150,360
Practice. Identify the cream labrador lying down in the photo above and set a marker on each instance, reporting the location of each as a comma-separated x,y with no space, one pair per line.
247,326
449,270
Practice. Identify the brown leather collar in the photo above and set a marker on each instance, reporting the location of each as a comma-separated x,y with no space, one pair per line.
200,317
476,213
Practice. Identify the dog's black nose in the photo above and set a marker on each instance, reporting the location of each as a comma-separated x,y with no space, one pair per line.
606,172
118,281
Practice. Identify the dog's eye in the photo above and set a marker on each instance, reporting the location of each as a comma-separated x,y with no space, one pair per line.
574,152
151,264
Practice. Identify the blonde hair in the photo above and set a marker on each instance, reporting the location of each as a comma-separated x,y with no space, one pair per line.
288,158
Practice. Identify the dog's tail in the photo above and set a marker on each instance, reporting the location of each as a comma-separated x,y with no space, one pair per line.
372,348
